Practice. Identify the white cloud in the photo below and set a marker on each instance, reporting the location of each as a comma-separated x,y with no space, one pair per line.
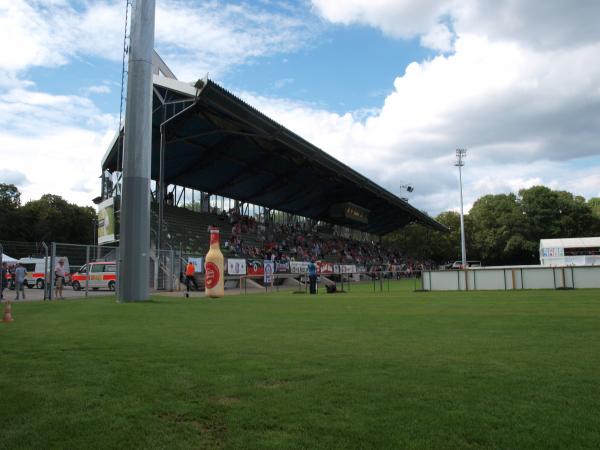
438,38
538,23
524,118
213,37
278,84
542,24
57,140
194,38
97,89
398,18
15,177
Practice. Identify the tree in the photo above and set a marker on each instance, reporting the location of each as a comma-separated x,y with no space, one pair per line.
10,197
10,200
51,218
555,214
424,244
446,246
504,228
497,225
594,204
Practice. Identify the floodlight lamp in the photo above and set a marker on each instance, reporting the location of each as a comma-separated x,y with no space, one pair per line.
460,154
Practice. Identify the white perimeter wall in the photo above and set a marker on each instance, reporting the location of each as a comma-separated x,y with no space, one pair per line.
509,278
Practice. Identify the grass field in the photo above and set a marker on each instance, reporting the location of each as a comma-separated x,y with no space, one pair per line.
508,370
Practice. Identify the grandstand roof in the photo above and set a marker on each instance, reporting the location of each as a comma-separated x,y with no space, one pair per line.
217,143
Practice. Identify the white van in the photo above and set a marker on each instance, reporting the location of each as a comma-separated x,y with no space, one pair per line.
98,275
35,270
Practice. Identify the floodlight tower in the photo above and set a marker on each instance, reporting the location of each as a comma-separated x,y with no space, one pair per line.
135,204
460,154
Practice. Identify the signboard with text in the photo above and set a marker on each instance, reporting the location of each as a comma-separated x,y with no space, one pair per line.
269,268
255,267
236,266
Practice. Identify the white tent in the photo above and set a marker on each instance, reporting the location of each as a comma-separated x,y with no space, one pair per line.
570,252
8,259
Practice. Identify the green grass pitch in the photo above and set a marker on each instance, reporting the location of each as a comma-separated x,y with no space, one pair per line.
398,369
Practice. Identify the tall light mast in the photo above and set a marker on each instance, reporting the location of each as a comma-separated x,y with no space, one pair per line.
461,153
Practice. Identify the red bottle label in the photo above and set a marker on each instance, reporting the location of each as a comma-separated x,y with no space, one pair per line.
212,275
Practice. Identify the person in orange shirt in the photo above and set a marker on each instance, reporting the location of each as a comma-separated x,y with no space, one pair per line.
190,270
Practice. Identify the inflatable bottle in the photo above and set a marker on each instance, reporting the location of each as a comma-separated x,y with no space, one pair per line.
213,268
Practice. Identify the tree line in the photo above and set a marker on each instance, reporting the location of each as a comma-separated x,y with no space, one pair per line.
49,219
504,228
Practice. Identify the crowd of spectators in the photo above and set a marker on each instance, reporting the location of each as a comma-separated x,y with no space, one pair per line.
297,242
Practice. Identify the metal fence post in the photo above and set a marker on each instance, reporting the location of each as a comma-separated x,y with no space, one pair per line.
118,272
52,266
158,267
87,270
46,297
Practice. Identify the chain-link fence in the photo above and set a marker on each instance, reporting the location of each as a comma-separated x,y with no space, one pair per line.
60,270
34,257
82,269
95,268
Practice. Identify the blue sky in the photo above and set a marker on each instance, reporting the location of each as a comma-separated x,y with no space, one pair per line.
389,87
342,69
345,69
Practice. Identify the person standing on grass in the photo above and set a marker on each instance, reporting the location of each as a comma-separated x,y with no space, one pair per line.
20,274
312,276
190,270
3,281
59,272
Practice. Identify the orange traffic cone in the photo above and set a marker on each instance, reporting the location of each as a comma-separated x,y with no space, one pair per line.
7,312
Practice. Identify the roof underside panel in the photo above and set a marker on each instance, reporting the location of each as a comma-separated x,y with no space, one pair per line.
218,144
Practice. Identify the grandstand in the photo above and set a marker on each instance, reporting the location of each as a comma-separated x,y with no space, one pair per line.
217,161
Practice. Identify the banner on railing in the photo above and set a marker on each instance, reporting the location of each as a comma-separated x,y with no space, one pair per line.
325,267
268,267
282,267
348,268
236,266
255,267
344,268
299,266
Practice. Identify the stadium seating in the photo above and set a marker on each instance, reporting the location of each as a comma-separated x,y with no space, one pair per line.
187,230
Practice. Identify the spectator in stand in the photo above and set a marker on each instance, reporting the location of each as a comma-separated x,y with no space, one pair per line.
59,280
20,274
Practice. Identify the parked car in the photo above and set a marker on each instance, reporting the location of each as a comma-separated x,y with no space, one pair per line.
99,275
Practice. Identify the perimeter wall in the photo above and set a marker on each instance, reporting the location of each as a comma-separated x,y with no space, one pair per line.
512,278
